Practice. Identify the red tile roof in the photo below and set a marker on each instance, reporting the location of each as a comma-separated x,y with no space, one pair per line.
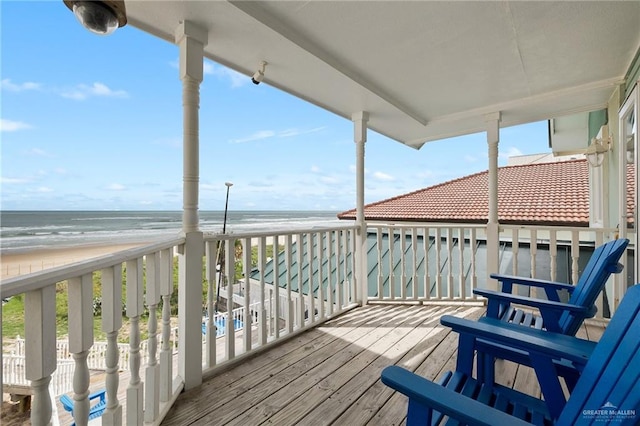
545,194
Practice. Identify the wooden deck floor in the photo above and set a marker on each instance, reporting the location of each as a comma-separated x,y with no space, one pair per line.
330,375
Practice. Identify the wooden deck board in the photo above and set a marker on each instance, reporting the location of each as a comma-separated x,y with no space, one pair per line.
330,374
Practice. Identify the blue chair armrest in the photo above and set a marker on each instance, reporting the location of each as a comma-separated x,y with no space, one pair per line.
527,339
533,282
549,309
424,394
530,301
67,403
98,394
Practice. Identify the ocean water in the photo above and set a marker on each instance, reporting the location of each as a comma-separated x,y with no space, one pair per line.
32,230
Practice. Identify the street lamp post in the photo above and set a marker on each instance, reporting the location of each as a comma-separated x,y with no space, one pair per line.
221,244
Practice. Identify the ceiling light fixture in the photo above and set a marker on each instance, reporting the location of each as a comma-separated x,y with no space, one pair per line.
99,17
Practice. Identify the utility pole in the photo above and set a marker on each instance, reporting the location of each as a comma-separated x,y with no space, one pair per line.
221,245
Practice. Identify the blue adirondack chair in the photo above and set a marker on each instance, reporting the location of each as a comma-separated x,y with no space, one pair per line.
555,316
608,391
95,410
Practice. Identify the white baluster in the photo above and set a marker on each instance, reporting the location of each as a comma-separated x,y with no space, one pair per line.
403,264
262,320
515,247
275,312
330,281
311,294
392,275
461,244
248,312
414,263
300,245
288,261
111,323
320,255
134,310
575,255
450,263
230,273
339,261
80,341
426,243
152,372
40,349
474,277
438,245
210,273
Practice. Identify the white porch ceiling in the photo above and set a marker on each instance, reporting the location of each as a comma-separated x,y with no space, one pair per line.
424,70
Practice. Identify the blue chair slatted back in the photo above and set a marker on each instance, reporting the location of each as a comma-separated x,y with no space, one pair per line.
602,263
608,391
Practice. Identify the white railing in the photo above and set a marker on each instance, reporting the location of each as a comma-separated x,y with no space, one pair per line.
96,358
559,254
445,262
312,278
308,266
146,276
141,282
426,262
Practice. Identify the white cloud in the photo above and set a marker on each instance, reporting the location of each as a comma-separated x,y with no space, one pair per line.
38,152
383,176
510,152
173,142
330,180
259,135
7,84
83,91
12,126
315,169
235,78
209,187
6,180
43,189
265,134
116,187
296,132
425,174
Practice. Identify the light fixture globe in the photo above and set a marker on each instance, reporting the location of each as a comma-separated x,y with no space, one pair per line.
99,17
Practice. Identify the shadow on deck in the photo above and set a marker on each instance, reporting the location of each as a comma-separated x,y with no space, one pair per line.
331,374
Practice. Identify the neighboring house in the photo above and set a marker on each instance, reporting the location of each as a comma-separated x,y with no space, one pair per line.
550,194
545,194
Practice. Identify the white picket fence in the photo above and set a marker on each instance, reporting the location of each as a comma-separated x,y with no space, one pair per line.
61,379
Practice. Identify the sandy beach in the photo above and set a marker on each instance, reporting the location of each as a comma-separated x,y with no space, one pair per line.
12,265
37,260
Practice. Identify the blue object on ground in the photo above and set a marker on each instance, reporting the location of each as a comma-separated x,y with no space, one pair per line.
95,410
220,324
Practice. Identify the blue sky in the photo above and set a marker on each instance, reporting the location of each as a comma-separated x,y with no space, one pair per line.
95,123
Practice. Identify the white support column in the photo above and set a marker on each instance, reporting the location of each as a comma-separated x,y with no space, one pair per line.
191,40
360,120
493,242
